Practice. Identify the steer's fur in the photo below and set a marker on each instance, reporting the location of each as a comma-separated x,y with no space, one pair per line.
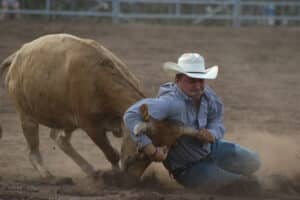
65,82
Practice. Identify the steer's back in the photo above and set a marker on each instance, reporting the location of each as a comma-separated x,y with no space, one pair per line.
61,81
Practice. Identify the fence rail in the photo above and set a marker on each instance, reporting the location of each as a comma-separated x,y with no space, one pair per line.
235,12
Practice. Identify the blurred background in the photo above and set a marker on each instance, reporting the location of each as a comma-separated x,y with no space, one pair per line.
221,12
256,44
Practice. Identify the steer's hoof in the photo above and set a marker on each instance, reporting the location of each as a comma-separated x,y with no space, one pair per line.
59,180
64,181
116,168
96,175
118,178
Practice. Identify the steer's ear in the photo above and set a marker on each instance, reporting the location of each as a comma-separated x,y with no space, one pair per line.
144,112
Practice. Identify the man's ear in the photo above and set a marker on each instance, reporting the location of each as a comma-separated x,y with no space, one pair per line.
177,78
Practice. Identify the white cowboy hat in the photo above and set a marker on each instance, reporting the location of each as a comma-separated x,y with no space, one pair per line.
192,65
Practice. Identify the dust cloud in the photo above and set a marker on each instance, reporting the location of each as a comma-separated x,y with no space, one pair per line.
280,159
279,154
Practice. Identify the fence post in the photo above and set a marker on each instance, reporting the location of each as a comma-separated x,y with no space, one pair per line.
237,13
48,7
177,8
115,10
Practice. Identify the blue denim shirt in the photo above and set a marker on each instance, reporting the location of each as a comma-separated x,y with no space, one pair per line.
171,103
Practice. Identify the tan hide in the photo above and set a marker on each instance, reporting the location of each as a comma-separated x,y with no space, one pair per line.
63,81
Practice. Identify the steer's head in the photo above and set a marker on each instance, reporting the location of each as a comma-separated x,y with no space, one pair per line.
162,132
165,132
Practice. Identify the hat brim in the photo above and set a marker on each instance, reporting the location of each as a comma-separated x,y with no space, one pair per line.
172,69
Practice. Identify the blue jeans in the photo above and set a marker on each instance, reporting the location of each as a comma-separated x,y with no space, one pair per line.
226,163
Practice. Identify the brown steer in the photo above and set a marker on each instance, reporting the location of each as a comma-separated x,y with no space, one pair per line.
65,82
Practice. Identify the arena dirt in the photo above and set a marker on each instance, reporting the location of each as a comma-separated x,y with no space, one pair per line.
258,83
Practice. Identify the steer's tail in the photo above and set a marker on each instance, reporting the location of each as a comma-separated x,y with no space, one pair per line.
4,66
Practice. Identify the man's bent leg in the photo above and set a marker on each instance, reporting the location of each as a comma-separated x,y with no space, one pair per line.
206,175
234,158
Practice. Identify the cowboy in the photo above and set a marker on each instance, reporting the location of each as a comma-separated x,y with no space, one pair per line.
211,162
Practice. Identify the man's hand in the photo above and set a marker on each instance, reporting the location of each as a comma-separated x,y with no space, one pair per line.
157,154
204,136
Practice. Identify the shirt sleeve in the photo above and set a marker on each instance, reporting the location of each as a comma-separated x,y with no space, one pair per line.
215,119
158,108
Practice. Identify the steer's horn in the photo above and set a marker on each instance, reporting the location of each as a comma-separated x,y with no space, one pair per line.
144,112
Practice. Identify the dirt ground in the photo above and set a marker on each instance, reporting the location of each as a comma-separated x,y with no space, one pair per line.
259,83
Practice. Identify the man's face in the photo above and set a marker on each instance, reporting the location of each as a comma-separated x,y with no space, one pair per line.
192,87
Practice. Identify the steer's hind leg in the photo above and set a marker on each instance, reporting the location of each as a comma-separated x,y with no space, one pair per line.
63,142
99,137
31,133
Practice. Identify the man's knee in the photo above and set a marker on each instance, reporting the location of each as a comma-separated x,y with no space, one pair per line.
249,159
254,164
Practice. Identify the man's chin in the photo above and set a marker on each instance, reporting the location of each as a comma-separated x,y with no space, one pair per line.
196,96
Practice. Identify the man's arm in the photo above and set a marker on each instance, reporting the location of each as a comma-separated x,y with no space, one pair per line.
215,119
159,109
